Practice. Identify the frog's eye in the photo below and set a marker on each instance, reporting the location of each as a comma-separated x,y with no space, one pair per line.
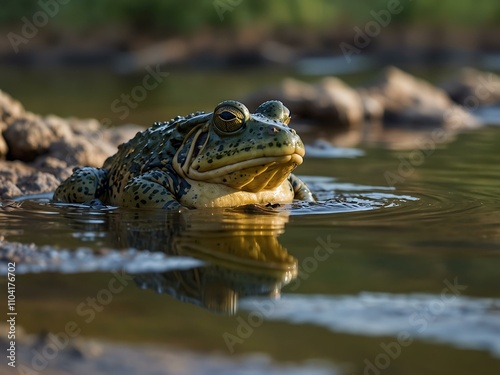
228,119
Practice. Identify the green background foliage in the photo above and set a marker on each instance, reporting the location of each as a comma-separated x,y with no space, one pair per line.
188,15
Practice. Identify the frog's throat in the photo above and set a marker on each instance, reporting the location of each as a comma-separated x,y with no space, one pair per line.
253,175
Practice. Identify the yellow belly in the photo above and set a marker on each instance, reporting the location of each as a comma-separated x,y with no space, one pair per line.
204,194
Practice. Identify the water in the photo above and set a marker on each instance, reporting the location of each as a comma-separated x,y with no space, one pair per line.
397,263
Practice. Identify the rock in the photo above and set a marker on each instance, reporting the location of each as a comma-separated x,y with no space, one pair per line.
8,189
60,128
14,169
9,173
87,142
4,149
37,182
472,88
9,108
81,151
41,151
396,98
83,126
17,178
372,108
335,101
407,100
53,165
27,137
331,100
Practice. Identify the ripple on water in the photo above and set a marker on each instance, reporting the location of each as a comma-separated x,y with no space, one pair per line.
461,218
453,213
424,202
336,197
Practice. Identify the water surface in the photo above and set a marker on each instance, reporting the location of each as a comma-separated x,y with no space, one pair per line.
398,262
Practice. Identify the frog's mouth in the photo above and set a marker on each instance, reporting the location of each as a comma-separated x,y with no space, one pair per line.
251,175
243,171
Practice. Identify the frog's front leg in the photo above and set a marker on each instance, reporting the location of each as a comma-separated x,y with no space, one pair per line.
85,184
300,189
154,189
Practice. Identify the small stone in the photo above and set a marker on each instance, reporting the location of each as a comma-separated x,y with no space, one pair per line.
408,100
54,166
338,102
38,182
330,101
472,88
8,189
27,138
10,108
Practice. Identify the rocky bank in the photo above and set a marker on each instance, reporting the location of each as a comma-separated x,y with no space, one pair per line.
394,98
37,152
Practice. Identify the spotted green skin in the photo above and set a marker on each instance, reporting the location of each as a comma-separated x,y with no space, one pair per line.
183,162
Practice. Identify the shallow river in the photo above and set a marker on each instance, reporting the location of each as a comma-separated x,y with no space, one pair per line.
395,270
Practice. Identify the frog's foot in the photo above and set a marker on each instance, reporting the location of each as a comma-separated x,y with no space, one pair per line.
83,185
150,191
300,189
96,203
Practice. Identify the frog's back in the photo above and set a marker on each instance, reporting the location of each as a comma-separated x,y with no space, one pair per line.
152,148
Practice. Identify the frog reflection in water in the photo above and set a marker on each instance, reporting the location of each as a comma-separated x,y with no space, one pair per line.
226,158
241,250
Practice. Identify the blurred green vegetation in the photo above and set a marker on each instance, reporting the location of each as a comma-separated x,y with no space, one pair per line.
189,15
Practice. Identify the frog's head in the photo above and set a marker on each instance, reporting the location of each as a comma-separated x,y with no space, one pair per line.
245,151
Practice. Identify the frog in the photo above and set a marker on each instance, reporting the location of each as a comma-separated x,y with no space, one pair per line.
225,158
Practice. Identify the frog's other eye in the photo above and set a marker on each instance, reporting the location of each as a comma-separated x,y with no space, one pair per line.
275,110
228,119
286,116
